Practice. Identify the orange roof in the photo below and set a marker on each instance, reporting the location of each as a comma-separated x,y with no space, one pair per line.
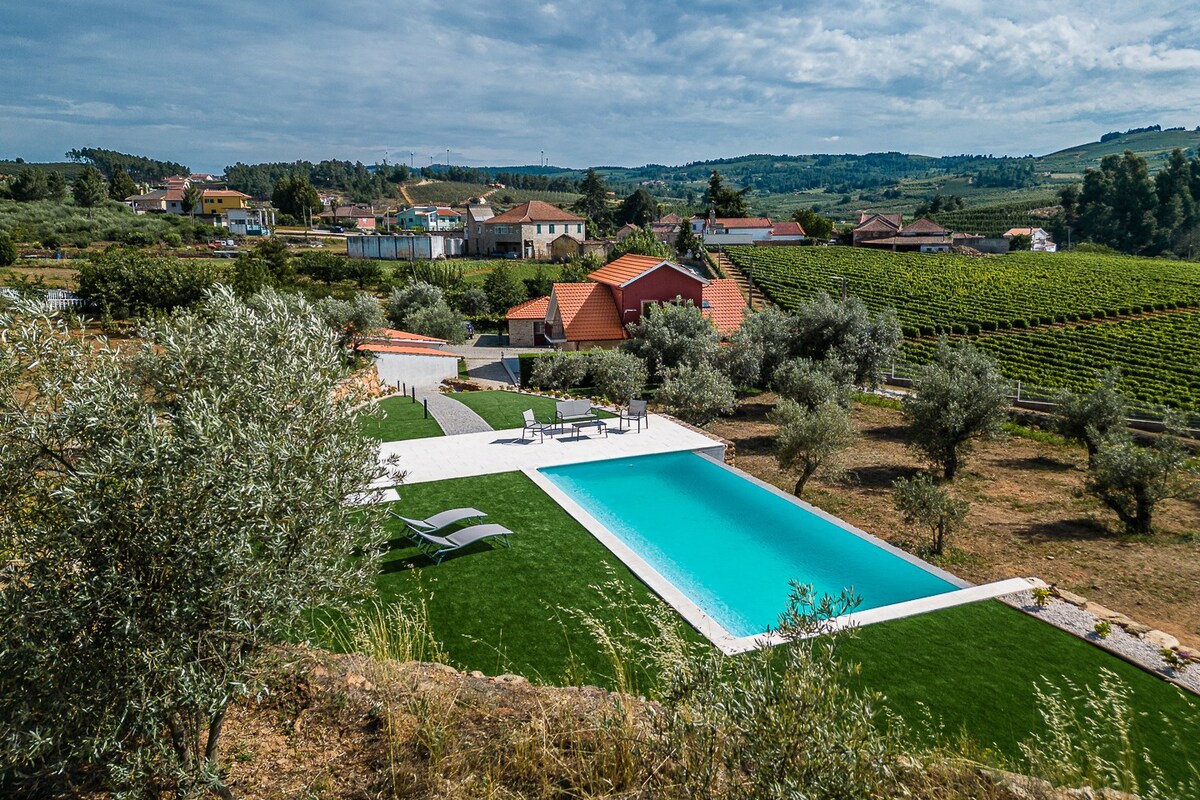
392,333
724,304
405,350
535,211
530,309
788,229
588,312
625,268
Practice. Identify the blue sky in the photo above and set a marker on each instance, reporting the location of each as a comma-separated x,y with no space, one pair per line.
626,83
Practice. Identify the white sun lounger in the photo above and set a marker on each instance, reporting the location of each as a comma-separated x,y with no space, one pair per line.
437,547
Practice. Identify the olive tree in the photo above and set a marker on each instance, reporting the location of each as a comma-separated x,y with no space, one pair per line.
671,335
848,331
165,513
957,398
812,383
1131,479
616,375
696,393
760,344
1092,417
558,371
924,503
810,439
352,319
406,299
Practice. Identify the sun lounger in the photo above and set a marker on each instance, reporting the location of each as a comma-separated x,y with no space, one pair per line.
437,547
440,520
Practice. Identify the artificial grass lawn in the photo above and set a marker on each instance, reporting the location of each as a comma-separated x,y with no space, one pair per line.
499,609
399,418
503,410
972,667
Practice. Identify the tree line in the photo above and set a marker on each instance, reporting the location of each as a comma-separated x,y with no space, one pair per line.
1121,206
351,177
140,168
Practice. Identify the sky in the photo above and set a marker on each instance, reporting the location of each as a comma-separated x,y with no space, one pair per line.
614,83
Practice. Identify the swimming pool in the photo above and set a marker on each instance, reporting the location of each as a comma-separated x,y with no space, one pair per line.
730,545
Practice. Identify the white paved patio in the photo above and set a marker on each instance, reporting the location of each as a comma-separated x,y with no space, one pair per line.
490,452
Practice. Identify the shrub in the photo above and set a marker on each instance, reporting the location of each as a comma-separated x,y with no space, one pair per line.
124,281
407,299
616,375
439,321
924,503
559,371
8,250
696,393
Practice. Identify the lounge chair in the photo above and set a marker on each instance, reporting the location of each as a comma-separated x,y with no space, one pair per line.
531,424
437,547
440,520
566,411
635,412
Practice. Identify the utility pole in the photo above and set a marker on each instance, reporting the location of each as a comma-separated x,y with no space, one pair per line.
447,158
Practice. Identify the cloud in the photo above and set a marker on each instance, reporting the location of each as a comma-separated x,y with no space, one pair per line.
621,82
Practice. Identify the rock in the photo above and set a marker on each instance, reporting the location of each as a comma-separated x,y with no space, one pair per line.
358,682
1138,629
320,672
1100,612
1070,597
510,678
477,674
1120,619
1163,641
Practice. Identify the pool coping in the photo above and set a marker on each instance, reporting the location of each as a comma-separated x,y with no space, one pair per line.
716,633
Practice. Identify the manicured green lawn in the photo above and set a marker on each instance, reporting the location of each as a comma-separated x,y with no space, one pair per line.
503,410
398,418
974,667
501,609
970,669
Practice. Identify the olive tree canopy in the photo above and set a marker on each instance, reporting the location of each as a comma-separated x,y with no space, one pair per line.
166,509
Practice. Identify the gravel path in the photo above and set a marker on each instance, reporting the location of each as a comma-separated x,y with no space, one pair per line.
453,416
1073,619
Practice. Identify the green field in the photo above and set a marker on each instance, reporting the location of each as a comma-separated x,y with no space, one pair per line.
397,419
503,410
935,294
1158,356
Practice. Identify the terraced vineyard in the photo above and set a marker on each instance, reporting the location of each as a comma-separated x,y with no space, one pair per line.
952,294
1159,356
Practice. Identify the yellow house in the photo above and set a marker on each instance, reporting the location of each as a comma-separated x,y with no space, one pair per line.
218,201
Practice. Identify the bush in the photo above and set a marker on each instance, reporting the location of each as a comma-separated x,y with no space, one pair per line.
8,250
439,321
696,393
124,281
559,371
672,335
616,375
407,299
924,503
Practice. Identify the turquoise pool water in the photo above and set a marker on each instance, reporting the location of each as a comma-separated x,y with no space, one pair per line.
732,546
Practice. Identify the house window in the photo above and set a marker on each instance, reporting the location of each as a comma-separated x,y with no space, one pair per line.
552,228
579,228
539,228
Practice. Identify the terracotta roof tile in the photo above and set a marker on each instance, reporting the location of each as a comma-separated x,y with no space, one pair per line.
891,220
405,336
743,222
588,312
625,268
726,306
530,309
877,224
405,350
535,211
923,226
788,229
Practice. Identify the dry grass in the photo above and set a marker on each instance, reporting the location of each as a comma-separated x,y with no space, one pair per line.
1028,516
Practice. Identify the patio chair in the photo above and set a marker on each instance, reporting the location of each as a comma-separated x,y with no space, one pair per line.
437,547
566,411
439,521
634,412
531,424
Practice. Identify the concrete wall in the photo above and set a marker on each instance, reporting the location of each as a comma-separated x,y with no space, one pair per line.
415,370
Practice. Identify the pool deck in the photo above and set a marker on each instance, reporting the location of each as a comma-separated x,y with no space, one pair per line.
444,457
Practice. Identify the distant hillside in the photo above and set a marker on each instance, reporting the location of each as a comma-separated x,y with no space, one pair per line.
1154,146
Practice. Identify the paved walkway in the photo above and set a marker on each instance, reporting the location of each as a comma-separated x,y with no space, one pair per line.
454,417
443,457
483,358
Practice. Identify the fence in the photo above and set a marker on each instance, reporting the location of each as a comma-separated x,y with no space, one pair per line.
1031,397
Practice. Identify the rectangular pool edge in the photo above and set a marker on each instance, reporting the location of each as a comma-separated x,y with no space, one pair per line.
716,633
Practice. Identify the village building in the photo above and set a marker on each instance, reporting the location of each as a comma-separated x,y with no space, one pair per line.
580,316
477,214
429,218
527,230
1040,241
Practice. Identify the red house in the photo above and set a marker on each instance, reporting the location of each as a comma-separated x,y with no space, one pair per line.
597,314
